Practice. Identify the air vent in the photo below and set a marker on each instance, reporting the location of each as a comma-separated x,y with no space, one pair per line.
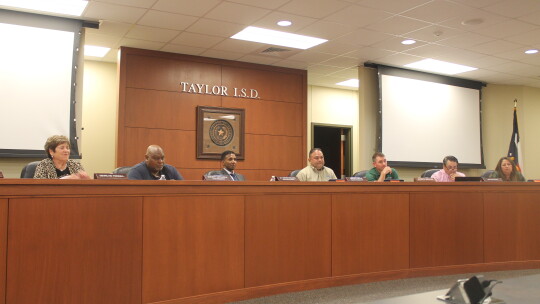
273,50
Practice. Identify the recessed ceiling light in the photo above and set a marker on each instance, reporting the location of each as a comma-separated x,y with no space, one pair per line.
475,21
95,51
257,34
533,51
408,41
438,66
284,23
355,83
65,7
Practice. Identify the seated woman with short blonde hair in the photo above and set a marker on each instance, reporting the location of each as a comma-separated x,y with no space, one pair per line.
58,164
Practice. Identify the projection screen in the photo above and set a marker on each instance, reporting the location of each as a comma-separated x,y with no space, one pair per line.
425,117
38,61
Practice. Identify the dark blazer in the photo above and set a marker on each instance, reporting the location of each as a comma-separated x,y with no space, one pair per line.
238,175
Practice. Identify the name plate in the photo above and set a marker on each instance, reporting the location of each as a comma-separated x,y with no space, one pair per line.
286,179
534,180
424,179
355,179
492,179
217,177
1,174
110,176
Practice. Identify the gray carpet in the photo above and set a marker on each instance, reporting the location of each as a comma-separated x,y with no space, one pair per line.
356,294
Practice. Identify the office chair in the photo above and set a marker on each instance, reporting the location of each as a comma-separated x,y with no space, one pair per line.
29,170
294,173
122,170
360,173
488,173
429,172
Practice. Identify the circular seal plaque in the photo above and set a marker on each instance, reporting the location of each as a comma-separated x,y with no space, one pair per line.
221,132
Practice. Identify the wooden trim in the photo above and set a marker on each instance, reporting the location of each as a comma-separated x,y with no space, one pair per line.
3,248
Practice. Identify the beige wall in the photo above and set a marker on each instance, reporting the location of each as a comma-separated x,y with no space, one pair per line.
330,106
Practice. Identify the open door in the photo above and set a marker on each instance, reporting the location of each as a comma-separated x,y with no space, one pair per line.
335,142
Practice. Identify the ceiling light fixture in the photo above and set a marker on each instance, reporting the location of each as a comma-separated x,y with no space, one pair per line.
95,51
284,23
354,83
408,42
257,34
438,66
532,51
64,7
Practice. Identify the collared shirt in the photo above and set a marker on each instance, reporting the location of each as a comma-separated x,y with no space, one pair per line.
373,175
310,174
441,176
141,172
231,174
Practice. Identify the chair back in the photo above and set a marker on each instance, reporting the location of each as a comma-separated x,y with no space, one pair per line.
122,170
488,173
294,173
429,172
29,170
360,173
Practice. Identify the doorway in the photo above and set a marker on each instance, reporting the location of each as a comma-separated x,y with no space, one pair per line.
335,142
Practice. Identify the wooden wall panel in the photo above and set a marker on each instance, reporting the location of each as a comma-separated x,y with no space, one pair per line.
270,85
516,237
288,238
153,110
3,248
370,233
165,74
164,109
268,117
446,228
75,250
260,153
192,245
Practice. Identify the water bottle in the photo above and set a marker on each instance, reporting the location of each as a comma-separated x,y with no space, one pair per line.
162,177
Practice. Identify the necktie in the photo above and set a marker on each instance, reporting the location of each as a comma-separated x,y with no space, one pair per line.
234,176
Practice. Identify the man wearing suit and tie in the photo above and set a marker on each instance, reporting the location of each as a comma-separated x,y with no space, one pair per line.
228,162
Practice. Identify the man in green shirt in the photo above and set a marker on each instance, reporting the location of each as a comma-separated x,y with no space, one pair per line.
380,171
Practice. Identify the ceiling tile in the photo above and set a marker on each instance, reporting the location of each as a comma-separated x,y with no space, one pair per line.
363,37
335,48
484,62
349,73
101,40
293,64
436,11
235,45
274,4
398,59
189,7
222,54
506,29
311,57
433,33
395,45
111,28
259,59
320,9
322,69
495,46
478,3
465,40
359,16
216,28
488,19
369,53
141,44
236,13
517,68
518,54
514,8
325,30
167,20
398,25
113,12
135,3
342,61
182,49
270,21
197,40
392,6
528,38
531,18
151,34
444,53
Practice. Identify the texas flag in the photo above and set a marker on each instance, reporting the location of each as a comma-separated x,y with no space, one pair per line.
514,151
